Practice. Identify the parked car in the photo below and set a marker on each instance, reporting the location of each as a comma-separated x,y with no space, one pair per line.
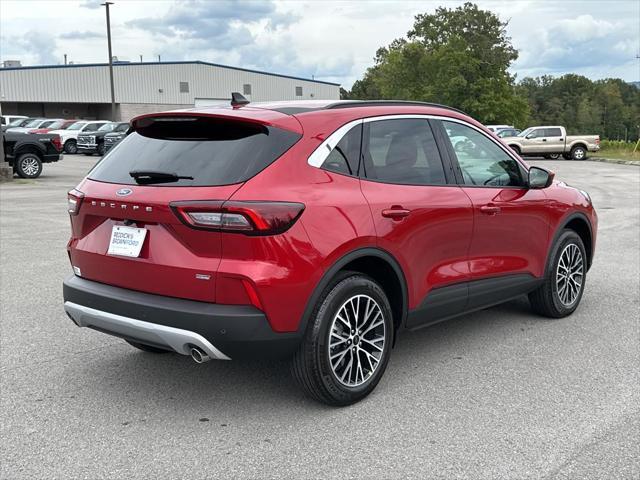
316,231
553,141
27,153
59,125
508,132
69,135
7,119
33,124
112,139
497,128
94,142
18,122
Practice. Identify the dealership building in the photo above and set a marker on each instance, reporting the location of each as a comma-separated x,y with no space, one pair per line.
83,91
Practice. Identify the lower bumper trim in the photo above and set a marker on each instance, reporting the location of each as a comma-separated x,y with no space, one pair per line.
179,340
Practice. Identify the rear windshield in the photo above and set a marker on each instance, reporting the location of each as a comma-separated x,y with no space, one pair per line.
212,151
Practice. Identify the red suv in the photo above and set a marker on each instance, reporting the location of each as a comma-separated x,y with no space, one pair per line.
316,231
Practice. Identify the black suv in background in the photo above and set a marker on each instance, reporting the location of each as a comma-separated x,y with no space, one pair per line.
94,142
111,139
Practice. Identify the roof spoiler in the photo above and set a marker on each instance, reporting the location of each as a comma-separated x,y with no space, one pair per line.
238,100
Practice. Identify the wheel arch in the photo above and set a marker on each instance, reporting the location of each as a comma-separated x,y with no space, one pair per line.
29,148
375,263
579,223
580,144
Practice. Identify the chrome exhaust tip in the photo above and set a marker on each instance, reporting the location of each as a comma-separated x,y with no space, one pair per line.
199,356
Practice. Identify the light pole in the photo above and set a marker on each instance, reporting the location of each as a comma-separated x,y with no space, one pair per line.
113,95
6,172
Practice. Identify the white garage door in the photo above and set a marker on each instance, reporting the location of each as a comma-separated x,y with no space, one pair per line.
205,102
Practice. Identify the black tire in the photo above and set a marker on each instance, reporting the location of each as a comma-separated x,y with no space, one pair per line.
578,153
147,348
28,165
554,156
70,146
546,300
100,149
311,365
515,148
566,156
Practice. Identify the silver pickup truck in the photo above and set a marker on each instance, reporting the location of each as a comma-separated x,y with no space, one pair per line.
551,142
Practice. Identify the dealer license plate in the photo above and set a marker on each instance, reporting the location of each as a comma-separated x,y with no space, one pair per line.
126,241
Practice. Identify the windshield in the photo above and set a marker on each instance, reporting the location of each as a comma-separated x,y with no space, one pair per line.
56,125
33,123
123,127
525,132
77,126
107,127
18,122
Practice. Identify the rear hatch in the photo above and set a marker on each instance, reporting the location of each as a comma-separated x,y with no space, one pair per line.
126,227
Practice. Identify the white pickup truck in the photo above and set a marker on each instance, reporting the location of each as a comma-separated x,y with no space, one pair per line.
551,142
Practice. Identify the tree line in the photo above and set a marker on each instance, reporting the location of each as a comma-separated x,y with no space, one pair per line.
460,57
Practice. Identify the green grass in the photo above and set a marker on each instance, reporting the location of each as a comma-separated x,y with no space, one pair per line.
618,149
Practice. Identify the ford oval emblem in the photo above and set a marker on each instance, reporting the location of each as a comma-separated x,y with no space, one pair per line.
123,192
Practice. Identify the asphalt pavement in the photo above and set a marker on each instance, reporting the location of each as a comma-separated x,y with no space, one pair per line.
496,394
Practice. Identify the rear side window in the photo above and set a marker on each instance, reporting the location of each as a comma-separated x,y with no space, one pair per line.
553,132
212,151
402,151
344,156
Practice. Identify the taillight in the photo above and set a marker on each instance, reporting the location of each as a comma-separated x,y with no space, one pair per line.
57,142
74,200
250,218
598,140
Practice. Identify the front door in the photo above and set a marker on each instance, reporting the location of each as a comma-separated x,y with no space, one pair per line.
511,228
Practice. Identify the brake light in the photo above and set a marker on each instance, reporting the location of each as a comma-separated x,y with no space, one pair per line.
598,140
250,218
74,200
57,142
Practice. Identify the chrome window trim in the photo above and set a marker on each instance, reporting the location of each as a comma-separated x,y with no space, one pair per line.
320,154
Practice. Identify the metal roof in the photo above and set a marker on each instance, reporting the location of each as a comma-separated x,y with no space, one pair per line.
186,62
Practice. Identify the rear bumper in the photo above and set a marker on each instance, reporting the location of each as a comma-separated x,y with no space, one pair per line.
223,331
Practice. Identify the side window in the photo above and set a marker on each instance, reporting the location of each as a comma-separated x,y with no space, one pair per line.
482,162
538,133
344,156
553,132
402,151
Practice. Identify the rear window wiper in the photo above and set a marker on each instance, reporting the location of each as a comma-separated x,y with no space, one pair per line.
144,177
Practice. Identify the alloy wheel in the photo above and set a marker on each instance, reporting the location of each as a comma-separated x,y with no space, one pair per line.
356,340
569,275
29,165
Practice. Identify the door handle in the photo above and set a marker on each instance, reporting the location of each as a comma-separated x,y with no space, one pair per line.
396,212
544,139
490,210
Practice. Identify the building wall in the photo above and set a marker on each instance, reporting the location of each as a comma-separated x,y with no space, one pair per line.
130,110
152,83
88,111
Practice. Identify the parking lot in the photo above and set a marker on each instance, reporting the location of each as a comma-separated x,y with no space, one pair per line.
500,393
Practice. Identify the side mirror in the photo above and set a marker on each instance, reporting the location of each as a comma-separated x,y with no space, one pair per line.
530,136
540,177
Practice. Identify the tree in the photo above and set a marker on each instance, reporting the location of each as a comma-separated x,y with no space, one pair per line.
455,57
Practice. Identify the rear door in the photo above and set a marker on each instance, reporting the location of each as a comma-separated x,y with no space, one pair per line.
420,215
554,140
511,226
212,158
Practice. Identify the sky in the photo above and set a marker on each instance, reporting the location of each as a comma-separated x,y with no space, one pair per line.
333,41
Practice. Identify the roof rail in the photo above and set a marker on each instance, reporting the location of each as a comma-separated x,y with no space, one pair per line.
382,103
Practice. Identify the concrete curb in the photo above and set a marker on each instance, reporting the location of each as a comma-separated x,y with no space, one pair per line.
635,163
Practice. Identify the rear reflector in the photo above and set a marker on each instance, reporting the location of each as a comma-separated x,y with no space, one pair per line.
74,200
250,218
